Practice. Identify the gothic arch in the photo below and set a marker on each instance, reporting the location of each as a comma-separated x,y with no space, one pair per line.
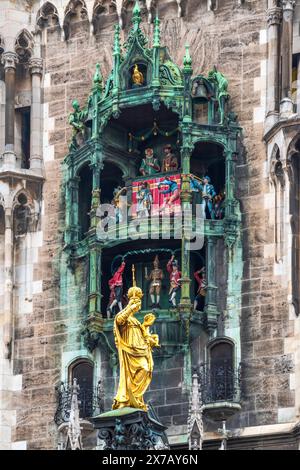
24,46
75,11
104,15
47,16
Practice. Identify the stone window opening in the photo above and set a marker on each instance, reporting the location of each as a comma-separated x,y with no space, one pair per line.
221,366
2,220
23,135
279,186
83,371
295,228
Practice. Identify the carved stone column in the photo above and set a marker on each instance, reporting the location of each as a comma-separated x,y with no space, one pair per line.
274,19
36,69
10,59
286,105
8,283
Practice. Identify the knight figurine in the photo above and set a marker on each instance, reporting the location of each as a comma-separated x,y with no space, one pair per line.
156,276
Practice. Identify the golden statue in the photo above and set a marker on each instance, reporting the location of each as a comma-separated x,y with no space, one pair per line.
137,76
134,343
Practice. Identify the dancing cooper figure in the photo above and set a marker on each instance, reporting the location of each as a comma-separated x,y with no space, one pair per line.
134,343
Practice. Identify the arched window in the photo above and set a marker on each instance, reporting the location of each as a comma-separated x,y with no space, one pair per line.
221,370
83,371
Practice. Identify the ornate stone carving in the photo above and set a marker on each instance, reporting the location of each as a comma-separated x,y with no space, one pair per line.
24,46
47,16
195,422
274,16
36,65
9,60
288,5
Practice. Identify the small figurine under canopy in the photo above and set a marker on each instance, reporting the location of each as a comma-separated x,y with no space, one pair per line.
116,290
137,77
150,165
156,276
175,277
170,162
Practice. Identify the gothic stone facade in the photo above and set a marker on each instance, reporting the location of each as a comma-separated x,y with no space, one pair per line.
49,51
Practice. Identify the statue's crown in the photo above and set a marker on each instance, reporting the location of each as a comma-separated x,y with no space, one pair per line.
135,292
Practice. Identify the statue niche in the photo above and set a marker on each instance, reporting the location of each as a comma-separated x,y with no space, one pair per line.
137,76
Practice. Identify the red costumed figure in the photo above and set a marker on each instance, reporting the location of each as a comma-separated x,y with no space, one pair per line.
175,276
200,277
116,290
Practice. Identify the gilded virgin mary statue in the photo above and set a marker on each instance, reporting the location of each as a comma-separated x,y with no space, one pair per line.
134,343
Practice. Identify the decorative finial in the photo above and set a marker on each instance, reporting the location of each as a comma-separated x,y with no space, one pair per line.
133,276
187,60
156,39
136,15
117,48
97,76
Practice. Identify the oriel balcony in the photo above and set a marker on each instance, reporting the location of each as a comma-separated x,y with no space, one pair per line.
220,385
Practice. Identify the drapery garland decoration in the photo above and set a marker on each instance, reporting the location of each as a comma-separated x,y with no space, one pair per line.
143,252
155,130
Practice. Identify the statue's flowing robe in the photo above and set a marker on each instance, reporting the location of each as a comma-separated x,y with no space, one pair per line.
135,358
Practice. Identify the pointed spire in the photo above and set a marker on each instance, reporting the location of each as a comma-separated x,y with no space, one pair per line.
74,438
156,39
136,15
117,47
195,422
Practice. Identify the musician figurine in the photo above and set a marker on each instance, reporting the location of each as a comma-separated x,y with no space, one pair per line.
156,276
200,277
175,276
116,290
170,162
150,165
208,194
144,200
120,203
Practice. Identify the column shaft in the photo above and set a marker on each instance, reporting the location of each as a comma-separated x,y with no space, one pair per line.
9,60
274,17
36,67
8,284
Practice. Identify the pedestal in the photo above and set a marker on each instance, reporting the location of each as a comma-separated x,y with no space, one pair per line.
130,429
